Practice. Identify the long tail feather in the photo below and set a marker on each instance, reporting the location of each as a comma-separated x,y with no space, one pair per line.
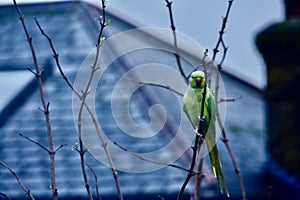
217,169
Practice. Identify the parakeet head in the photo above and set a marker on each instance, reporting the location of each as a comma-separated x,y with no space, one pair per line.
197,80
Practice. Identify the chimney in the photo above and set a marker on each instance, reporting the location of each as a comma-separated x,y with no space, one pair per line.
292,8
279,45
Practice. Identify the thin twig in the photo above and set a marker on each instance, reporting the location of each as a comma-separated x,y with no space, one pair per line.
161,198
55,54
199,135
85,93
200,158
81,150
81,97
56,58
153,161
198,178
35,142
59,147
102,22
33,72
82,161
225,140
156,85
5,196
222,100
42,146
43,100
176,54
84,96
222,31
26,190
198,141
224,135
96,180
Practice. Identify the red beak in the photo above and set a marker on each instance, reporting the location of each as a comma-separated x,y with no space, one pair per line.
198,82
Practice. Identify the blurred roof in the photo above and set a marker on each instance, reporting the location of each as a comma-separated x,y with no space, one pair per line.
73,29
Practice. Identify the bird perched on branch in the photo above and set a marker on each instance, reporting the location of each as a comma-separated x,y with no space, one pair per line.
192,104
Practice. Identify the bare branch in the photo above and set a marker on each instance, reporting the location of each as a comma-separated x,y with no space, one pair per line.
96,181
82,96
237,170
55,54
83,99
35,142
224,135
102,22
222,100
85,93
198,143
5,196
161,198
26,190
45,105
176,54
81,152
42,146
81,149
222,31
59,147
152,161
35,74
156,85
198,178
199,135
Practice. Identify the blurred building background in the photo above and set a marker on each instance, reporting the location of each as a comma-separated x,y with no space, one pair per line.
73,29
279,45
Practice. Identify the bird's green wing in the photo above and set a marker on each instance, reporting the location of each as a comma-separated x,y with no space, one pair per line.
191,106
210,140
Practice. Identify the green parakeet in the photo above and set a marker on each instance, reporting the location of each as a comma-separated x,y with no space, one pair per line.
192,101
